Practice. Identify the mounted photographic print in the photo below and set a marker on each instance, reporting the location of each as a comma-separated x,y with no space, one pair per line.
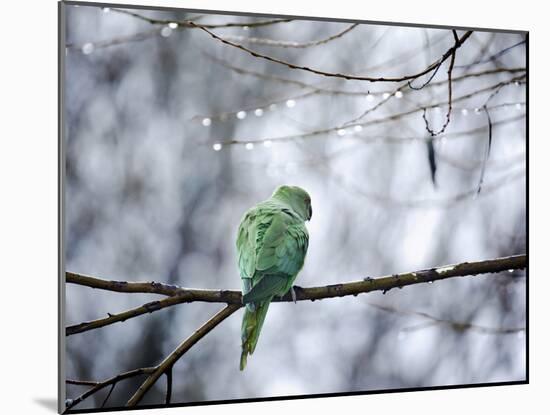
261,207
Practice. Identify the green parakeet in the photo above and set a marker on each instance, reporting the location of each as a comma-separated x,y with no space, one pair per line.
272,243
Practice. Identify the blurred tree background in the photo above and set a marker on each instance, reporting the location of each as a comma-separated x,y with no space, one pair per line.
171,135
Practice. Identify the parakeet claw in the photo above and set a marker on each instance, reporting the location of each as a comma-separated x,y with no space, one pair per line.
293,294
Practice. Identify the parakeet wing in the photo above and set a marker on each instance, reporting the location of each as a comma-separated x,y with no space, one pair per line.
281,245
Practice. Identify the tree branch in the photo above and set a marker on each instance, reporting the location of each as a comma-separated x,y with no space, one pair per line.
290,65
173,357
177,295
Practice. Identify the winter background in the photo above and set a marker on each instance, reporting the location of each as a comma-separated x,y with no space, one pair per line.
172,135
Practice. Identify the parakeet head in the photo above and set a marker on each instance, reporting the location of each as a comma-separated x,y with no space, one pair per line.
297,198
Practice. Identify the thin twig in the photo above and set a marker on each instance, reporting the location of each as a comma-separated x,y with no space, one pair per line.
189,23
450,96
290,44
256,54
488,148
113,380
168,386
493,57
173,357
108,395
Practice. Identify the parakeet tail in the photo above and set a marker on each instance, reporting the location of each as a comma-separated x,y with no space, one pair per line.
250,330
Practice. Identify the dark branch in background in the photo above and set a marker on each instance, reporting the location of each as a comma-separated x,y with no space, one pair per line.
490,134
418,88
493,57
179,295
256,54
487,152
108,395
450,96
290,44
455,325
111,381
167,364
168,386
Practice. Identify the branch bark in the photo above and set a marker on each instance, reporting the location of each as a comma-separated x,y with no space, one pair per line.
177,295
167,364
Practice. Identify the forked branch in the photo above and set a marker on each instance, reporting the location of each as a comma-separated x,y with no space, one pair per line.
177,295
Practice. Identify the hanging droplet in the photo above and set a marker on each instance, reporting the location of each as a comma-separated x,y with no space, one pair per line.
464,111
520,335
370,97
241,115
165,31
245,28
386,95
173,25
290,103
398,94
357,128
106,10
437,109
217,147
341,132
510,270
267,143
87,48
206,122
272,107
249,146
430,282
477,111
258,112
518,106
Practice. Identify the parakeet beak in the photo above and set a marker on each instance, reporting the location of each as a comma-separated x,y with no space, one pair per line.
310,212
